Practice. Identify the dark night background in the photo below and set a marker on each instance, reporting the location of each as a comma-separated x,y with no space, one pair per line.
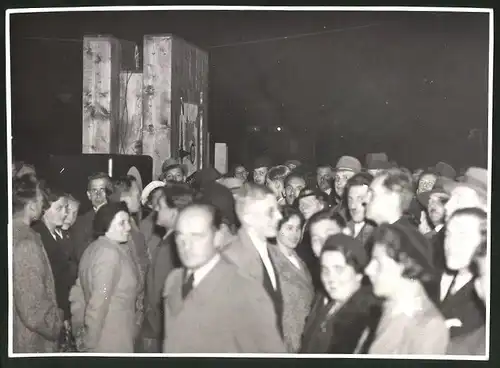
414,85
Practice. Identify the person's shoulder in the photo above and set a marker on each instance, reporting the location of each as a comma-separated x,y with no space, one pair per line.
173,279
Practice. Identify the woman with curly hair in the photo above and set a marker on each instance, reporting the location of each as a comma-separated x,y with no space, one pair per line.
398,270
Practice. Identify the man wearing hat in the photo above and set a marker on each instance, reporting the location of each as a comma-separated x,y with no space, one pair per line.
471,192
377,162
171,170
346,168
293,164
445,170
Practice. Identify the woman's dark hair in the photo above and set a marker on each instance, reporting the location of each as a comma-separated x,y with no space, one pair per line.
288,212
355,254
24,191
177,195
105,215
330,214
402,247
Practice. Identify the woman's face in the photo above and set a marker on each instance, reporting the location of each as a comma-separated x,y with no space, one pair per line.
320,231
426,183
308,206
119,229
339,278
463,236
384,272
290,233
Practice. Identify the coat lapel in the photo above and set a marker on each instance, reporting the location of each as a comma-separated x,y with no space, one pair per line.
244,254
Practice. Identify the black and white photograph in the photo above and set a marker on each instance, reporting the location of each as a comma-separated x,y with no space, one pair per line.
217,181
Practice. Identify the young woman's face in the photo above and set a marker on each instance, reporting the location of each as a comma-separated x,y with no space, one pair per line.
338,277
384,272
290,233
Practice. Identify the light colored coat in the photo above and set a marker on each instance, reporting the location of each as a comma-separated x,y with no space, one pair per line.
37,319
223,314
298,293
421,332
104,298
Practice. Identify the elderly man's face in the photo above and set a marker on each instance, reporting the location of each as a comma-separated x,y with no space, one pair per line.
259,175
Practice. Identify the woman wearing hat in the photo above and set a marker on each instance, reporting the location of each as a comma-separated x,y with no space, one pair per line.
398,270
346,307
103,301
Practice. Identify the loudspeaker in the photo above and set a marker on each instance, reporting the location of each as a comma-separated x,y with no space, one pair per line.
71,173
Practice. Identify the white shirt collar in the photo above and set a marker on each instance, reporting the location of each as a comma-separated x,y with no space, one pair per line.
358,227
204,270
328,191
438,228
260,245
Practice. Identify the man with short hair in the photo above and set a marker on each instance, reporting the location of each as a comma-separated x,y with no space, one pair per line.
259,215
356,194
173,199
324,178
210,307
241,172
260,169
389,197
276,182
99,188
294,183
173,171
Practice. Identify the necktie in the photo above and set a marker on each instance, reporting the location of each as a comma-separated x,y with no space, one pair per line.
187,286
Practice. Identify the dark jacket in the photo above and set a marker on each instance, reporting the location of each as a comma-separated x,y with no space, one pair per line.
340,333
83,233
465,306
63,266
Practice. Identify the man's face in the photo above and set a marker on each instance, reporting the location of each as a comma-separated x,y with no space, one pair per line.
293,188
320,232
175,174
435,209
379,200
70,219
56,213
324,178
463,236
166,216
195,238
97,192
263,216
309,206
462,197
341,178
241,173
259,175
356,199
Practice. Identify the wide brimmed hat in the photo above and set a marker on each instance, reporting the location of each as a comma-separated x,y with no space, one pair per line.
149,188
446,170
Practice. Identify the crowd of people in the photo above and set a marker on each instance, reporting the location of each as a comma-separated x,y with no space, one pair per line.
277,259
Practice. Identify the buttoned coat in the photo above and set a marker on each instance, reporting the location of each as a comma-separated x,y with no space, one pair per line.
223,314
37,319
297,292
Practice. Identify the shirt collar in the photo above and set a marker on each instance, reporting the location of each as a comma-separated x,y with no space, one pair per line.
260,245
204,270
438,228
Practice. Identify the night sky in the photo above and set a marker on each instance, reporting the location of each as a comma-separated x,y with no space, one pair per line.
414,85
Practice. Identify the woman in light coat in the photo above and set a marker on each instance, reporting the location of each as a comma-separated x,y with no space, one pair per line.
103,301
410,322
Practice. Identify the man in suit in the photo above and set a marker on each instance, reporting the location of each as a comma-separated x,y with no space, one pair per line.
210,306
99,188
356,192
258,211
389,197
